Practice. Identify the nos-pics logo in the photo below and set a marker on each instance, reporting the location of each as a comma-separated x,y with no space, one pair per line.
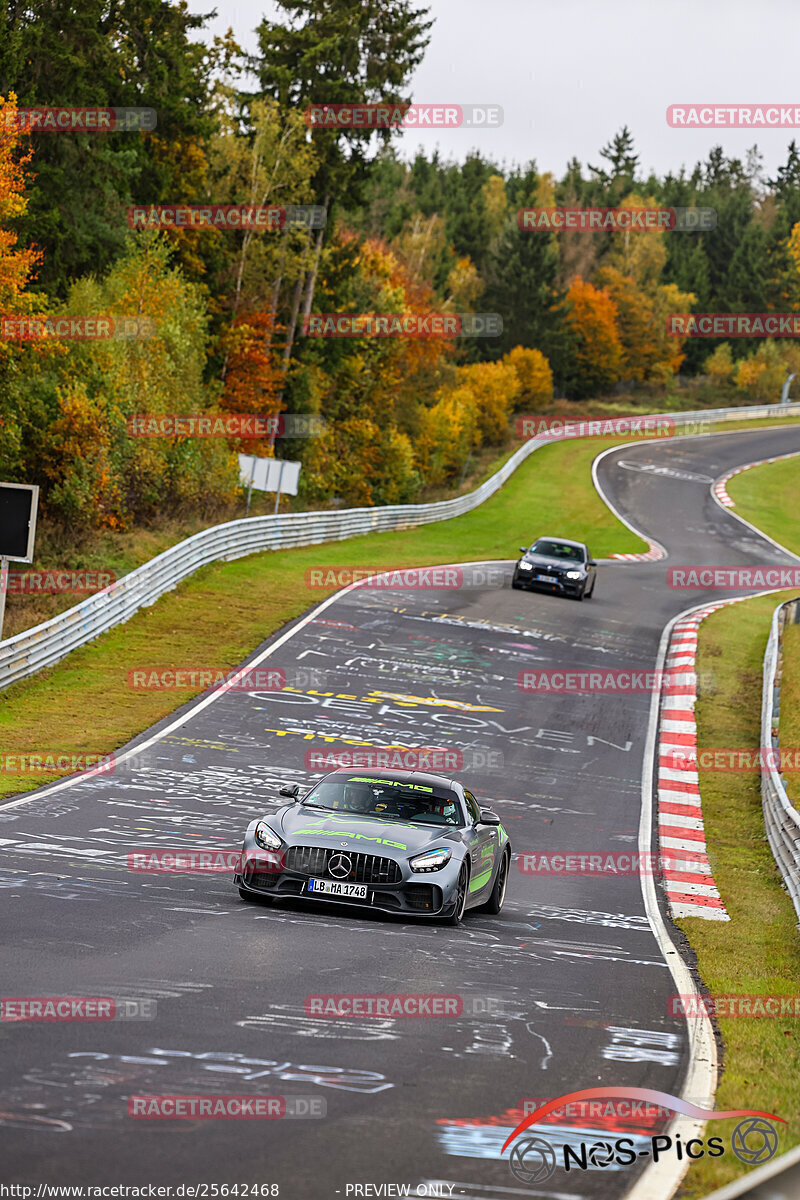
535,1159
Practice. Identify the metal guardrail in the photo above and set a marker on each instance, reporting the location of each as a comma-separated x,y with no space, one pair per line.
43,645
776,1180
781,819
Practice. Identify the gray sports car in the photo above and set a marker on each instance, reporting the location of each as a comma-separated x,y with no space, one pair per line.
556,565
400,841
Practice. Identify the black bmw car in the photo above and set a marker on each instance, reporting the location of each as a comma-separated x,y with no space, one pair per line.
556,565
401,841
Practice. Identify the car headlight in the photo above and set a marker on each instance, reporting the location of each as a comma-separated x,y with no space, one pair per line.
523,566
266,838
574,574
431,860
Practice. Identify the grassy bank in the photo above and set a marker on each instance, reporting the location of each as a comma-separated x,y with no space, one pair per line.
758,950
767,497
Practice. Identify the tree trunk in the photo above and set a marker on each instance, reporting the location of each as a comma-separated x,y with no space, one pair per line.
311,280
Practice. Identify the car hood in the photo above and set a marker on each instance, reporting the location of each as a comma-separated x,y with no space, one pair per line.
556,564
370,835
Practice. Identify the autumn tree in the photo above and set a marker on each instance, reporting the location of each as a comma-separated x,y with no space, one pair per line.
339,51
599,354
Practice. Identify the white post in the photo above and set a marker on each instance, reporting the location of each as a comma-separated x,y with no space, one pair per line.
278,493
785,392
250,486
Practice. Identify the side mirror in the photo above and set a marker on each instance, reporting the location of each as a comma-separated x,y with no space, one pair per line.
590,562
523,549
290,789
488,817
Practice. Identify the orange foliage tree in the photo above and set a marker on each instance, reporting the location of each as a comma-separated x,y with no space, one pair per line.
597,350
253,377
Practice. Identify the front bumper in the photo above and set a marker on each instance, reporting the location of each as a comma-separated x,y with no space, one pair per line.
420,894
561,587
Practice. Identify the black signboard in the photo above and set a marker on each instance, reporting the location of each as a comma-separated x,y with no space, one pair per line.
18,504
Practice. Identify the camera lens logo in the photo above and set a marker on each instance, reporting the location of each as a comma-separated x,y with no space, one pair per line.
532,1161
601,1154
754,1141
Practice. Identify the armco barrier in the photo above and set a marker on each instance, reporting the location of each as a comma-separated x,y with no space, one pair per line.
781,819
48,643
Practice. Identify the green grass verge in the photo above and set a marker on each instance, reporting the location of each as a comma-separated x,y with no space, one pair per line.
767,496
218,617
757,951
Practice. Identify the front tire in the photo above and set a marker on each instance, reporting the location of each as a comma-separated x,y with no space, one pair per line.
591,593
245,895
495,901
462,886
515,583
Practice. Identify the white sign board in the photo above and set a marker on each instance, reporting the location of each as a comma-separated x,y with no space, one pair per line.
269,474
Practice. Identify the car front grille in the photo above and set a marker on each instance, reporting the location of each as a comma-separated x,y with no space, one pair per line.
364,868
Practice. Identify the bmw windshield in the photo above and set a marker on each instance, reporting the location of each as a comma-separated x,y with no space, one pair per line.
563,550
392,799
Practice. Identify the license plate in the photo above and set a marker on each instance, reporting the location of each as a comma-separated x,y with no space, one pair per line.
329,887
547,578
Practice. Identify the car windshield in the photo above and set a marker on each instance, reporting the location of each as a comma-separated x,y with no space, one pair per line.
557,550
392,799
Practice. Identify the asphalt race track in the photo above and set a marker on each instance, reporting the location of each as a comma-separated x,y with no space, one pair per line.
566,989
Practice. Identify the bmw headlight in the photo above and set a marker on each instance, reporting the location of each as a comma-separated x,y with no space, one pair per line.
431,860
266,838
574,574
523,566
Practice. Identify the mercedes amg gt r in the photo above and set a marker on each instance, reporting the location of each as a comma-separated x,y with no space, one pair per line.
400,841
556,565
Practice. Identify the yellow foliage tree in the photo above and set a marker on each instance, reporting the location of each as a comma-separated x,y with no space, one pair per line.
719,366
534,375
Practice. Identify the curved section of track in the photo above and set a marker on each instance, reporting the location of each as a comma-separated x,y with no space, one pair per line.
566,989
